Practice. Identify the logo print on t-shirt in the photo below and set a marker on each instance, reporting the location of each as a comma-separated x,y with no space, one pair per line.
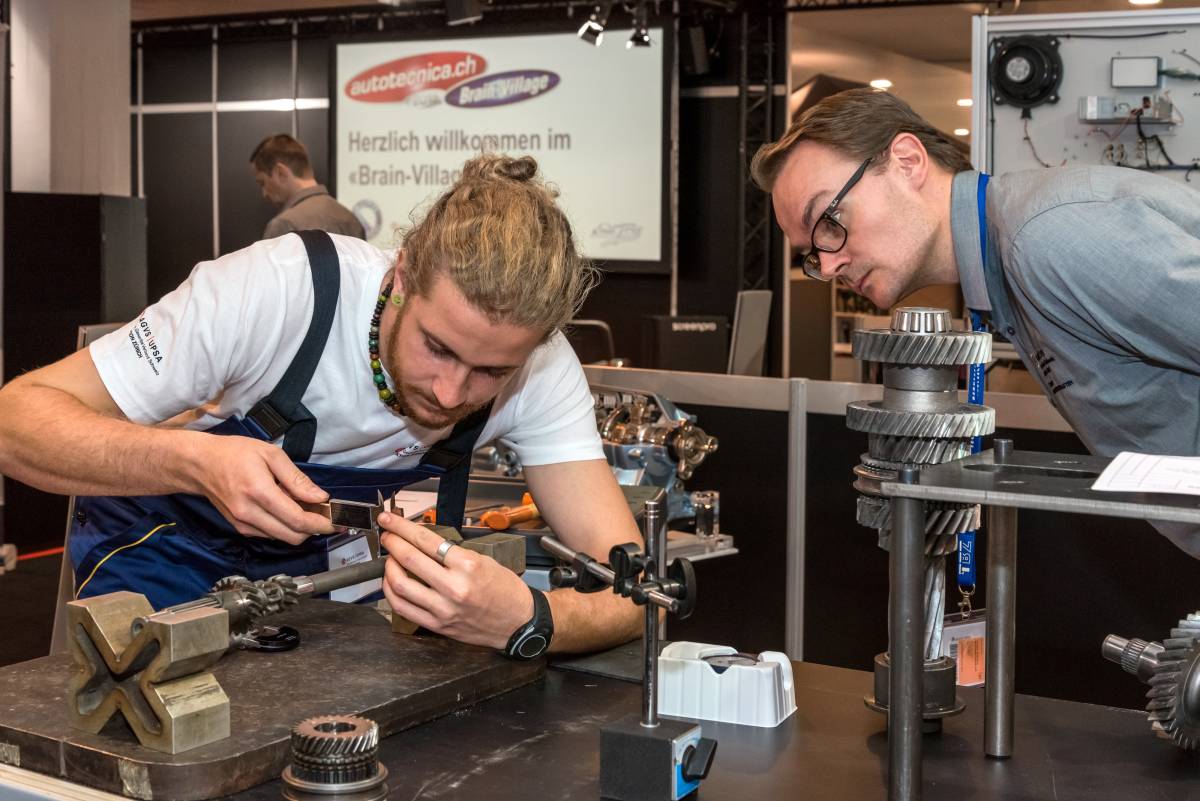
412,450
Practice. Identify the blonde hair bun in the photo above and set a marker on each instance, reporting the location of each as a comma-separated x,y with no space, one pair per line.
490,166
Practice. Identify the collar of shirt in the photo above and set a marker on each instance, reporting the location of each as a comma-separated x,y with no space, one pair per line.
305,194
964,231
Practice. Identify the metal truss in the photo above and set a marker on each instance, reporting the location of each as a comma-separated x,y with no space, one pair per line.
756,127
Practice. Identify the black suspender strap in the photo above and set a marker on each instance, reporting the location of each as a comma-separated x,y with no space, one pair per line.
281,413
453,456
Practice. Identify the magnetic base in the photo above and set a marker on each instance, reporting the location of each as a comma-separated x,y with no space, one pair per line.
646,764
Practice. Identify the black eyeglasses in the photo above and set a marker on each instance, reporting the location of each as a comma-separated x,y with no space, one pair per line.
829,235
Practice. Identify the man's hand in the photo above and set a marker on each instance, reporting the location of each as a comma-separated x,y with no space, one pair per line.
470,598
256,487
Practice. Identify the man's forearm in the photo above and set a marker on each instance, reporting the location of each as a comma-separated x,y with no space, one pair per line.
51,440
590,622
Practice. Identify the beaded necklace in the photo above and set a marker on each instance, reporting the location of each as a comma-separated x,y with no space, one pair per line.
385,394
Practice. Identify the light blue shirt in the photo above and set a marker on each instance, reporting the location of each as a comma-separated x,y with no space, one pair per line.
1093,273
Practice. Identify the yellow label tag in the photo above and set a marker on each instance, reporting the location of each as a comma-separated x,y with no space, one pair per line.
970,661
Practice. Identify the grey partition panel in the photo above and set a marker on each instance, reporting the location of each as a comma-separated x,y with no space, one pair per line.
254,70
313,130
313,68
244,212
177,153
177,72
742,599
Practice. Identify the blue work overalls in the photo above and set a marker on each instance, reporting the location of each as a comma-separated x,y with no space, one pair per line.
172,548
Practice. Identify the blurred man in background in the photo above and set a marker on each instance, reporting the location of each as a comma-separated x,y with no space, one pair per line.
285,177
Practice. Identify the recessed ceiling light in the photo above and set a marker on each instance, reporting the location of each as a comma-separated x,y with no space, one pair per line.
1144,2
881,83
961,132
966,102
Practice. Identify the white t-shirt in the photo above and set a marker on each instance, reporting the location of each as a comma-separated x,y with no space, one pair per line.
221,341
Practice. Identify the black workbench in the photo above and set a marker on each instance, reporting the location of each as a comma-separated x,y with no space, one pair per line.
541,742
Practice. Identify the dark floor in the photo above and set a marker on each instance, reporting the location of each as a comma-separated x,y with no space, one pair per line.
27,597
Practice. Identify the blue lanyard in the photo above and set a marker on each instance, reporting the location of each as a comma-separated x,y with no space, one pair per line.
966,541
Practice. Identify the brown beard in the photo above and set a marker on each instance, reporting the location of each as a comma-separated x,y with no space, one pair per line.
406,392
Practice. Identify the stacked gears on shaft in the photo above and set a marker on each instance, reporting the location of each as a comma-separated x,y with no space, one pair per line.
335,757
920,421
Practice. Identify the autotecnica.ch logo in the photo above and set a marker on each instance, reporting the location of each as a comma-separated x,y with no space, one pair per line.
501,88
422,80
397,80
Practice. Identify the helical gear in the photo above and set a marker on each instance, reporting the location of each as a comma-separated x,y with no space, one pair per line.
910,450
1172,706
951,348
941,519
964,421
335,750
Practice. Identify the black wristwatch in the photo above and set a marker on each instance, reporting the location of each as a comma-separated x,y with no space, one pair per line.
531,639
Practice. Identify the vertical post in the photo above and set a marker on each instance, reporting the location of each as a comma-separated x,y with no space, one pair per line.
660,562
906,697
1000,654
651,523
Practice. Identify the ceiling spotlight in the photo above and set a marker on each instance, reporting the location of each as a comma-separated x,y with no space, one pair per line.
1144,2
966,102
961,132
641,34
592,31
461,12
881,83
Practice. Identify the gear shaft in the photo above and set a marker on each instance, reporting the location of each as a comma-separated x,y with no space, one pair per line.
920,421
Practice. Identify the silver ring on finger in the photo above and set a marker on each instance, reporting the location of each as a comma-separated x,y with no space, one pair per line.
443,549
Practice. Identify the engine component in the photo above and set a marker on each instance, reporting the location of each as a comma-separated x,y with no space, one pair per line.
1172,669
1025,71
335,757
919,421
649,441
652,420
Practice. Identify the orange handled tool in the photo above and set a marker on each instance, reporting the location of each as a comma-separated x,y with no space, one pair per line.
508,516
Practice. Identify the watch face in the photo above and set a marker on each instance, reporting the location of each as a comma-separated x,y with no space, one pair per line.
531,645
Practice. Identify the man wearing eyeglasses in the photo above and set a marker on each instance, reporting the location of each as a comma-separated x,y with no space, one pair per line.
1093,273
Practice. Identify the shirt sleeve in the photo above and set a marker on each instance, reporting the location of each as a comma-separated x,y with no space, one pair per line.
555,418
219,327
278,226
1118,274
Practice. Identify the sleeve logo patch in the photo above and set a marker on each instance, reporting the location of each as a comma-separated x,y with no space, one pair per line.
141,337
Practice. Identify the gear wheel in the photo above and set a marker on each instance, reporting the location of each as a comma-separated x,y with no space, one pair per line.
288,585
941,519
912,450
280,592
335,750
948,349
964,422
252,603
1174,697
